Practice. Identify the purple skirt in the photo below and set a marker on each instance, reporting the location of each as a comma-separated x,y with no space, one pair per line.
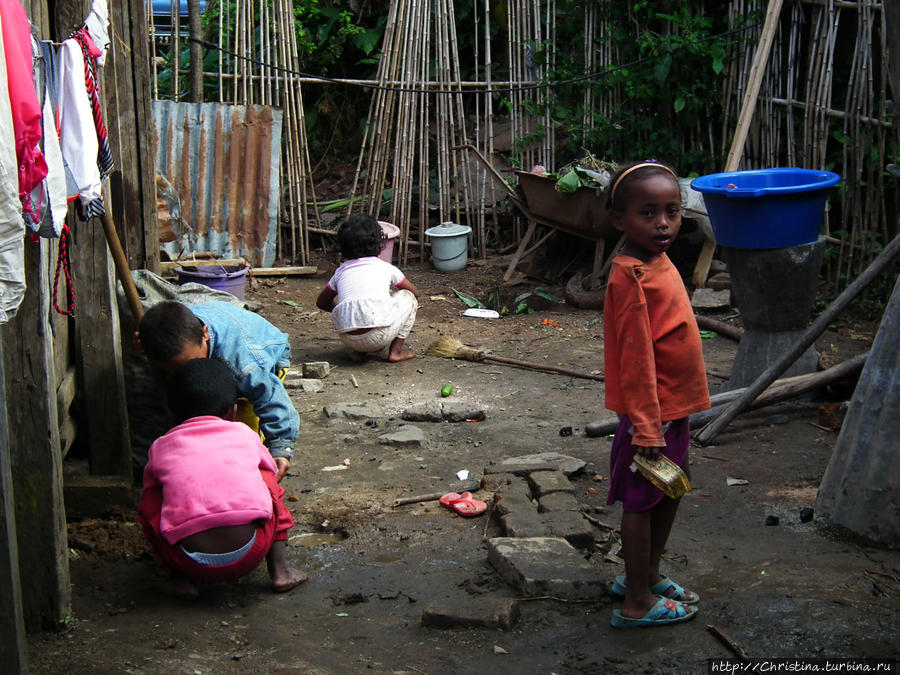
636,493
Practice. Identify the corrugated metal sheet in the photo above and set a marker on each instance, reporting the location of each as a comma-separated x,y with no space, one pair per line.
224,160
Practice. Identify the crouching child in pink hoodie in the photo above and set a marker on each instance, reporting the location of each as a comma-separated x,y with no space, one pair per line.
212,507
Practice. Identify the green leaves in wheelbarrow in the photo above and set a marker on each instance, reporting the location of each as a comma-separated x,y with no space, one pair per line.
469,300
569,182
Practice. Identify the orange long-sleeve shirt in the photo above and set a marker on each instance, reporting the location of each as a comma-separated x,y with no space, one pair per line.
652,351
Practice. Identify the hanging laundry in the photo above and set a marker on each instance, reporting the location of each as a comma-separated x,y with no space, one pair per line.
12,243
77,133
26,111
97,25
49,198
91,52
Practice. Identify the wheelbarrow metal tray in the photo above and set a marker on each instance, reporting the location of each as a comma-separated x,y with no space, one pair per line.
581,213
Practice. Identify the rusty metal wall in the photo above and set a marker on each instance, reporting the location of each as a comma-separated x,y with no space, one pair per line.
224,161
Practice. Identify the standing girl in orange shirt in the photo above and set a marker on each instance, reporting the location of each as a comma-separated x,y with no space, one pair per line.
655,378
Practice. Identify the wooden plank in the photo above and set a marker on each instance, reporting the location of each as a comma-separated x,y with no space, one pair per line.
282,271
168,267
36,462
99,353
132,183
748,107
12,621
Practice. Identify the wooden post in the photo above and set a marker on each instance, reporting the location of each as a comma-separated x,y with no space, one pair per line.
748,107
196,52
12,622
36,461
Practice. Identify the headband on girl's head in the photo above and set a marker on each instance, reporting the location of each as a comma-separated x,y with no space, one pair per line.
612,192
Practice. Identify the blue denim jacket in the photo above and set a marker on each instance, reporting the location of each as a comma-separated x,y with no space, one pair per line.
255,350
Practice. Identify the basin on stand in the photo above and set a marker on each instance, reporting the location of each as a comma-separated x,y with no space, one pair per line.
767,223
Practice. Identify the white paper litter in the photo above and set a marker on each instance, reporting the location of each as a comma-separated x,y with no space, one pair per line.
736,481
339,467
462,474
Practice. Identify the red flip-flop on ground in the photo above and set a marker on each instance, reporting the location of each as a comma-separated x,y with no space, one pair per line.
464,504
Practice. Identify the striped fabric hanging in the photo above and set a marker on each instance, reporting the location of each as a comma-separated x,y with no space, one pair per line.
104,155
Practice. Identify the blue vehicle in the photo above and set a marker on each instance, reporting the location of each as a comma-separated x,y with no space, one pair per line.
161,19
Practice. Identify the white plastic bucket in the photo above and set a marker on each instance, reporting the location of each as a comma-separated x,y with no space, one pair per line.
391,232
449,246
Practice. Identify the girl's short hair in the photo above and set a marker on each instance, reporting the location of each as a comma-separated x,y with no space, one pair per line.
627,175
201,387
167,328
360,236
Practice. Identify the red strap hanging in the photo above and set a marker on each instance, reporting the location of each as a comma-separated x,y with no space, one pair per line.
62,263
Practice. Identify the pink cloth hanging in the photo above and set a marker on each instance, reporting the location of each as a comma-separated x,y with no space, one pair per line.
26,111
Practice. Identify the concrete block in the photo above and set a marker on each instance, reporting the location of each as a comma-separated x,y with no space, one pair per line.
547,482
497,482
427,411
473,612
513,502
316,370
353,411
545,566
523,524
460,411
405,435
571,526
541,461
558,501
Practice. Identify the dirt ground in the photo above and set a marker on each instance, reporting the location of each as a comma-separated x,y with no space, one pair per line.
796,589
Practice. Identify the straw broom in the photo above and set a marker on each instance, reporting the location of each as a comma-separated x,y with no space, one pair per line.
451,348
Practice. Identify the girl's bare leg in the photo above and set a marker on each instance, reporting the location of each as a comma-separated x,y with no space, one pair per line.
636,549
284,578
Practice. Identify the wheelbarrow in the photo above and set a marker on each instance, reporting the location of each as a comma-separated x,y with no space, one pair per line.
581,213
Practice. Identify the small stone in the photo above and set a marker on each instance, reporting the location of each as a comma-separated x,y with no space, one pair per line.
772,520
565,431
499,650
806,514
706,298
316,369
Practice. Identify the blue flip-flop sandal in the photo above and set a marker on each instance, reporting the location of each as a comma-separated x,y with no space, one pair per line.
661,589
666,611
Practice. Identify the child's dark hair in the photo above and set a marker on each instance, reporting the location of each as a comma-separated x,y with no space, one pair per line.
620,184
360,236
167,328
201,387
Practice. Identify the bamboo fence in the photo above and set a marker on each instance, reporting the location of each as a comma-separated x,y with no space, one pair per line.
821,105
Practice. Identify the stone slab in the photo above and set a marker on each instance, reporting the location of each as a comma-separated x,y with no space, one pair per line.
473,612
498,482
438,410
545,566
353,411
707,298
547,482
523,524
540,461
513,502
558,501
571,526
405,435
316,370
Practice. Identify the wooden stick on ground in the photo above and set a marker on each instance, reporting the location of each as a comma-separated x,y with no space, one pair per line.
711,430
728,642
720,327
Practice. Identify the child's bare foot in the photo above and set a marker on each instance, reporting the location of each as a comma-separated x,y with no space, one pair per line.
180,587
290,579
400,356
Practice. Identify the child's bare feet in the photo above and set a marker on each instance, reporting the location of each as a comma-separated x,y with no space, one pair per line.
180,587
400,356
397,353
288,581
284,578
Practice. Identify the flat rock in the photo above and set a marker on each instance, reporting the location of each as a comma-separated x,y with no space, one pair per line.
571,526
316,369
473,612
545,566
438,410
547,482
523,524
498,482
541,461
513,502
558,501
306,385
405,435
706,298
352,411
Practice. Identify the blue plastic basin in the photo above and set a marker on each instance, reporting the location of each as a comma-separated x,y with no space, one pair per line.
766,208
